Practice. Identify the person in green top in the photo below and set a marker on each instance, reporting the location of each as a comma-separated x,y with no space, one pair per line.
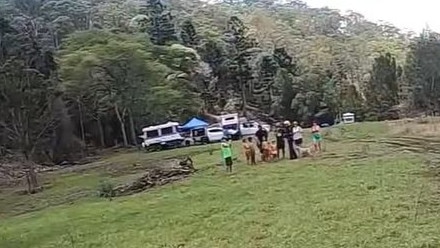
316,136
226,151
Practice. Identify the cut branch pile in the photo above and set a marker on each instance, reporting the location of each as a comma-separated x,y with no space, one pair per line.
158,176
14,173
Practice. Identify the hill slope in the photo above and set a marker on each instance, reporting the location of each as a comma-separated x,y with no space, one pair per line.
360,192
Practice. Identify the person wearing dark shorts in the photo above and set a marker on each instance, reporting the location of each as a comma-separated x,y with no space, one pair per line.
228,163
288,135
297,134
262,136
280,143
226,151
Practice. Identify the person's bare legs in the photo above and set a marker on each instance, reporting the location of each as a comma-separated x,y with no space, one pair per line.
253,162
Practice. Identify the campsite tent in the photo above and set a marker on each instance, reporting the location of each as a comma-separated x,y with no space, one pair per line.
194,123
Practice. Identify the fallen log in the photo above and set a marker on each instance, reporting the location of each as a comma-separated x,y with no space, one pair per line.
158,176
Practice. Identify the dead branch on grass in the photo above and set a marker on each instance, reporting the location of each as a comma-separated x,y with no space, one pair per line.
158,176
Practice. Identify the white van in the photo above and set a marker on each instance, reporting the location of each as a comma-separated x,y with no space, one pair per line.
161,136
229,121
231,125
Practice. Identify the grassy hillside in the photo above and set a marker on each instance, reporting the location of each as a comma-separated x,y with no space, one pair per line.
368,189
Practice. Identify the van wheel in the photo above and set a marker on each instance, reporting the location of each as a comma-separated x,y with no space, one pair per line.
158,148
187,143
205,140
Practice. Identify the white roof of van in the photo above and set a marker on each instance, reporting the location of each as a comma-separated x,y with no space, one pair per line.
168,124
229,115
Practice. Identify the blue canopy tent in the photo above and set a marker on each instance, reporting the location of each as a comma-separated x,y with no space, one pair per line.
196,130
194,123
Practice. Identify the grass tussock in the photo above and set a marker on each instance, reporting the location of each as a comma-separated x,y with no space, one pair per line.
424,127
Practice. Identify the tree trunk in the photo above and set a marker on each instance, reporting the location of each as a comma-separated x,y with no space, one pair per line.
31,175
83,133
101,132
132,128
81,122
243,98
122,124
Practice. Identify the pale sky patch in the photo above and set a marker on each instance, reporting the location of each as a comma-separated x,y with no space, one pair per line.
405,14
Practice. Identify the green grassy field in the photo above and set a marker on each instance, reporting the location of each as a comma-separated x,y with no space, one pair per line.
360,192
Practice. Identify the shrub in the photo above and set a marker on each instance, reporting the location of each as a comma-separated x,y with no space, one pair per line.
106,189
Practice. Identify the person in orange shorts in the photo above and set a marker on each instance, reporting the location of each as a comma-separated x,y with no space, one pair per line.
273,150
265,151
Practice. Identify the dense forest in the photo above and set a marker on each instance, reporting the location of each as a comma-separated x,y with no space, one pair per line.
92,73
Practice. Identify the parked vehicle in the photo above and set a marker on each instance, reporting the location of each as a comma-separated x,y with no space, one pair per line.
216,125
251,127
161,136
348,118
266,126
194,132
325,118
215,134
196,136
248,128
231,125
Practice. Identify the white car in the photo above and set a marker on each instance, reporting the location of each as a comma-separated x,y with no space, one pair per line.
251,127
266,126
248,128
215,134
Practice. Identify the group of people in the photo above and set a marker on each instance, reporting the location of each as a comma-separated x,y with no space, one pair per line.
292,134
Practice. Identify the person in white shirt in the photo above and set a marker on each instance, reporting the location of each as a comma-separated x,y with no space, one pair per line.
297,134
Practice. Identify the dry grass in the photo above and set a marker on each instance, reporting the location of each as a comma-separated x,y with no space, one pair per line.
425,127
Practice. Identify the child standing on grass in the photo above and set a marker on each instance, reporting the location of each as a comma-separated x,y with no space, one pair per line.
316,136
274,150
265,154
226,151
249,151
